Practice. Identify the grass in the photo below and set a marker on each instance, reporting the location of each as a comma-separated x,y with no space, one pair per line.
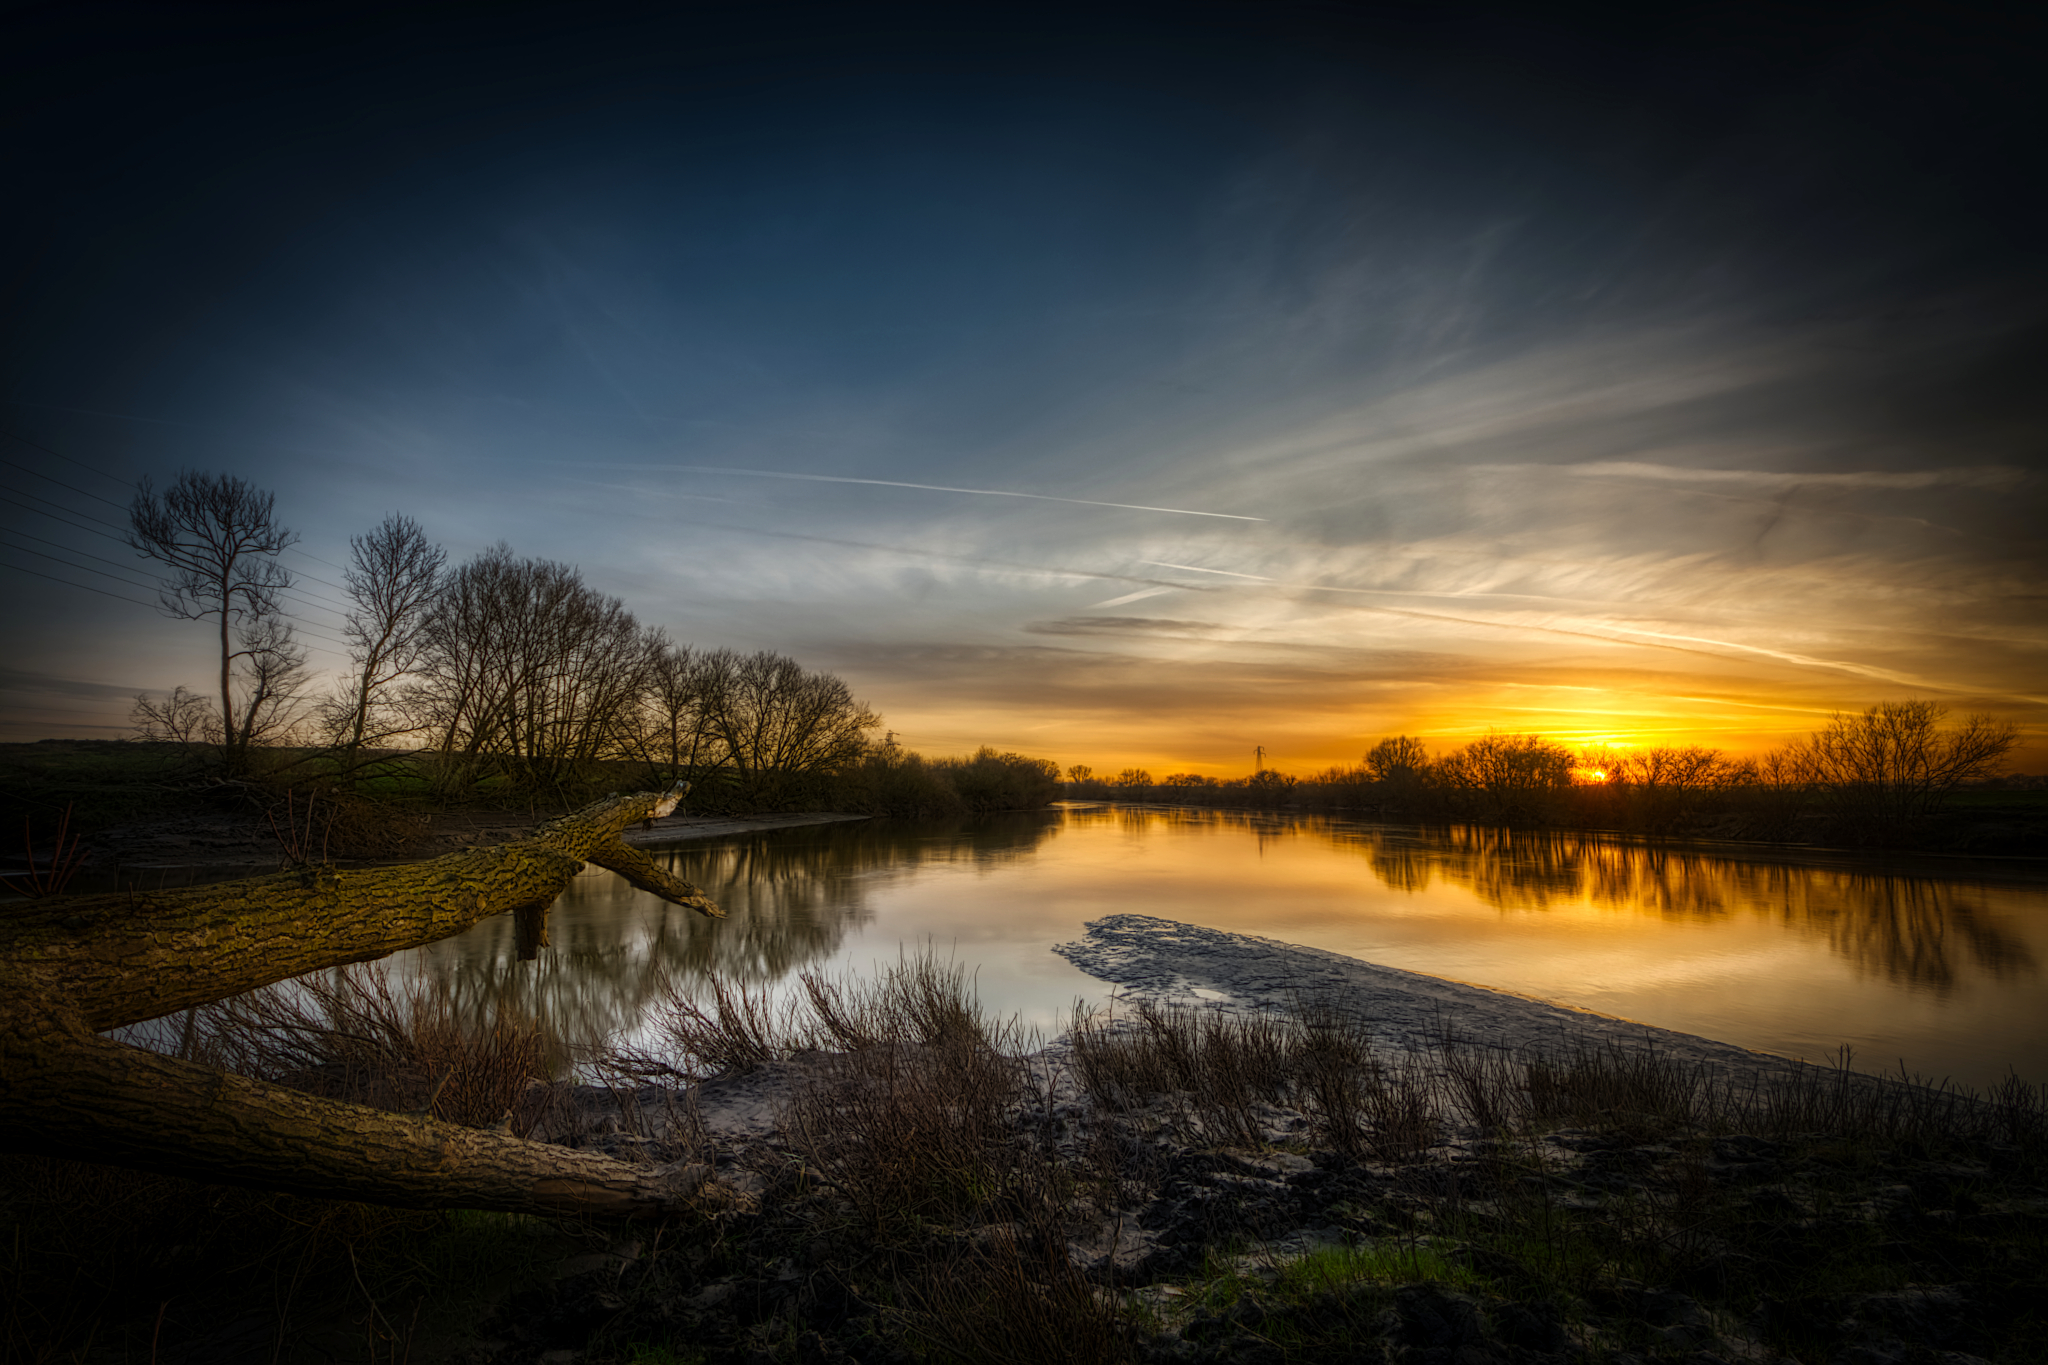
934,1182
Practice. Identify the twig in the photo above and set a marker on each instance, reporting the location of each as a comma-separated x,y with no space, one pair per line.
63,865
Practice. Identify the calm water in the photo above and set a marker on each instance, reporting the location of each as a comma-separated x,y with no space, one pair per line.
1936,964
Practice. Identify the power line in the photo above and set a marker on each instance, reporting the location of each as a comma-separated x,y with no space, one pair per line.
299,626
14,436
32,445
326,603
74,512
87,586
67,549
38,474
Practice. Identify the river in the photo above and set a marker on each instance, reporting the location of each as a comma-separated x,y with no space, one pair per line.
1936,964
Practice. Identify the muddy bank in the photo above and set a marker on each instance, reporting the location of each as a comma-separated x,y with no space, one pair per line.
1164,961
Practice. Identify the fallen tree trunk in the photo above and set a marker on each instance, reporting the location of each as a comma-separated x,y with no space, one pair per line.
93,1099
72,968
127,956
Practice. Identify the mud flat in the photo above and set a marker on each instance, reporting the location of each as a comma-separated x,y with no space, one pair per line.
1161,961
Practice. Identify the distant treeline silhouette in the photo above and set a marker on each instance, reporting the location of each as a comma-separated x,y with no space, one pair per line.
1880,776
508,676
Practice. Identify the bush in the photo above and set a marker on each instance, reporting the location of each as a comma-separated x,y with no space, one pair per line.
990,781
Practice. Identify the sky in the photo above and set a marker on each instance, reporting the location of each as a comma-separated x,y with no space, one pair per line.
1125,385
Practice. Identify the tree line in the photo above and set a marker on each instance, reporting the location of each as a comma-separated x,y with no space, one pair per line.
1879,776
507,671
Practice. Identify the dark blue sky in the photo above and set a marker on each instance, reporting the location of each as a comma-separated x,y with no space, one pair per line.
1615,377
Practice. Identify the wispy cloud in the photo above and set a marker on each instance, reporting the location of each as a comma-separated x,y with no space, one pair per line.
1986,476
923,487
1137,596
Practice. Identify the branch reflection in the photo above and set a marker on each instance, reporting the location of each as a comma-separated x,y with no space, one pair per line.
790,896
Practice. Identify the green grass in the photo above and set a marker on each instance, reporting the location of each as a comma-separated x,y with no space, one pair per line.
1299,1279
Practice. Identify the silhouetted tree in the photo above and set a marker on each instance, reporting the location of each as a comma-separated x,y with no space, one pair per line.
393,578
673,735
1665,785
1889,768
529,671
777,721
184,717
1508,777
218,539
1399,761
992,781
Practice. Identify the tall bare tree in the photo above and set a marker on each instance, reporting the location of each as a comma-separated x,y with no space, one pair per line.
780,721
1667,784
393,579
1890,767
674,736
273,666
528,670
218,539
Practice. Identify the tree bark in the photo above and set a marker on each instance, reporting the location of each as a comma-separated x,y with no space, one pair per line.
74,967
124,957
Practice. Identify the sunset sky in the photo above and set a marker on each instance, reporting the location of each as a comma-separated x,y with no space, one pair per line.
1138,386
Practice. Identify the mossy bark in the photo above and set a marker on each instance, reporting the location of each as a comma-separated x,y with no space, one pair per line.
73,967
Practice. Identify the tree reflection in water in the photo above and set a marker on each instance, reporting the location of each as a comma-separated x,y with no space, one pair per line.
795,896
1913,930
790,897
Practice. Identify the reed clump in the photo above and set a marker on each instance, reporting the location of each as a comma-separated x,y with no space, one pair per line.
358,1034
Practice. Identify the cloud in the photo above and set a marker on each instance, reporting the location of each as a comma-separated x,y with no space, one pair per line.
1126,625
926,487
21,680
1987,477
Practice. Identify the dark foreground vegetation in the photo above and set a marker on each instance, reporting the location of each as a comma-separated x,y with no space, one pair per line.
1892,776
1169,1185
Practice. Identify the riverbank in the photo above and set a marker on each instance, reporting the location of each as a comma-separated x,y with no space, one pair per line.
1266,1152
235,842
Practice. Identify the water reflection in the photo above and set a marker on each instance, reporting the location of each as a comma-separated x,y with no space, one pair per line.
1792,954
1914,930
791,897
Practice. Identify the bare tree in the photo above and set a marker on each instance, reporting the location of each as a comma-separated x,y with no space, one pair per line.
218,540
527,670
184,717
1399,761
1512,776
674,736
273,666
779,721
1666,784
393,578
1891,767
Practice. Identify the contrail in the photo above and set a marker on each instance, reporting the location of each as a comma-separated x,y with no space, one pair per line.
1196,568
926,487
1132,597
